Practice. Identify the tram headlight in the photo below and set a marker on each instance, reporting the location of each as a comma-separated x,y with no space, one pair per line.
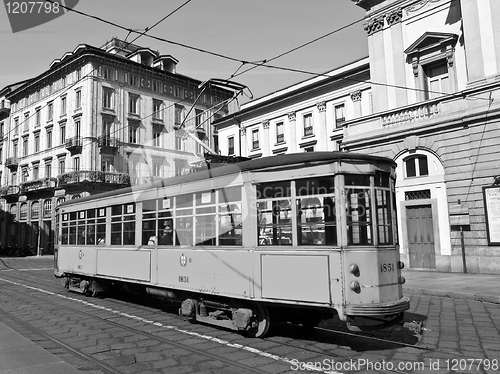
401,265
402,280
355,286
354,269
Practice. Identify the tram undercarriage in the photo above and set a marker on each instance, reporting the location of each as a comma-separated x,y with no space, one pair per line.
254,319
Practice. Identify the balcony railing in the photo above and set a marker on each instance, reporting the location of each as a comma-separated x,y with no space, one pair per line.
38,185
280,138
412,114
74,144
12,162
107,143
8,191
255,144
93,176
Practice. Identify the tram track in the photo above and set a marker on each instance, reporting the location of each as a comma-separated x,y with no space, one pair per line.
102,367
146,304
136,331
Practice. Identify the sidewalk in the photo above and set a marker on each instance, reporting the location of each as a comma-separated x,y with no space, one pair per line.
19,355
479,287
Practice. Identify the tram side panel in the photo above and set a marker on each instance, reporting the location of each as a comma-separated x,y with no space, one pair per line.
302,278
216,272
125,264
76,260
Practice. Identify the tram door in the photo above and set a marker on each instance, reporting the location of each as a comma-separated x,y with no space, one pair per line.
420,237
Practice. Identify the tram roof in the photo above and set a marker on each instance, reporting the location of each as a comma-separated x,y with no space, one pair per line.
271,162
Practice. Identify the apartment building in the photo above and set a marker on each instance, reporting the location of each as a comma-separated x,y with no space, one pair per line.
98,119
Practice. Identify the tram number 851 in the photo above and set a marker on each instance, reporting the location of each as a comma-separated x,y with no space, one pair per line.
183,279
385,268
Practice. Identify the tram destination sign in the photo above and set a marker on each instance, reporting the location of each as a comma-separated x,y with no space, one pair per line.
492,210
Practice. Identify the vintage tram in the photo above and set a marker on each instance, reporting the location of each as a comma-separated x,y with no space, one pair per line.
296,237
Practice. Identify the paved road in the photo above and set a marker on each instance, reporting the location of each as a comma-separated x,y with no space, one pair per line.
119,335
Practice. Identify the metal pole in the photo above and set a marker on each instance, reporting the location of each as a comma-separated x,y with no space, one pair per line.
462,241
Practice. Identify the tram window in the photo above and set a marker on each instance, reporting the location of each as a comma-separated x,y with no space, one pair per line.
382,179
205,218
91,232
149,209
116,210
314,186
359,226
129,231
123,224
274,222
72,232
184,230
230,223
149,223
184,201
65,233
166,232
229,194
273,190
116,233
384,218
184,219
149,232
317,221
101,231
80,234
357,180
205,229
90,213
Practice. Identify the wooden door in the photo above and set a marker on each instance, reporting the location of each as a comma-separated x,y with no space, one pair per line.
420,236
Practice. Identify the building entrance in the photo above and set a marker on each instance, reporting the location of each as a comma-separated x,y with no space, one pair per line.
420,236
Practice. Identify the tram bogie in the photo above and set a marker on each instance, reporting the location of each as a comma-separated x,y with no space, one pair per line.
293,238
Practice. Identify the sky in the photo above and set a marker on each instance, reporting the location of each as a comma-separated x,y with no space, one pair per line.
245,30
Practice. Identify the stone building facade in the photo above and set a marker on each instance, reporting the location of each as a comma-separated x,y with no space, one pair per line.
96,120
428,97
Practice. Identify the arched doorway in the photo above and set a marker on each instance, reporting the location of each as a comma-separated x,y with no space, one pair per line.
423,222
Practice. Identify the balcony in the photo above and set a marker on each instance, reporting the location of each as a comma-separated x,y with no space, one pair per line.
12,163
4,108
10,193
93,177
74,145
107,144
39,185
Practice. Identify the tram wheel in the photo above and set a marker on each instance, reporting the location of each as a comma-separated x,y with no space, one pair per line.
263,322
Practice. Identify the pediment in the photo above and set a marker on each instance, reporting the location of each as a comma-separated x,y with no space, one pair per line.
430,40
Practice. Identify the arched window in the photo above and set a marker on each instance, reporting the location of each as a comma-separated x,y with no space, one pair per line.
77,196
35,210
23,211
416,166
47,208
61,200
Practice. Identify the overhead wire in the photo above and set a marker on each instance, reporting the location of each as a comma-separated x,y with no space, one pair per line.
263,63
